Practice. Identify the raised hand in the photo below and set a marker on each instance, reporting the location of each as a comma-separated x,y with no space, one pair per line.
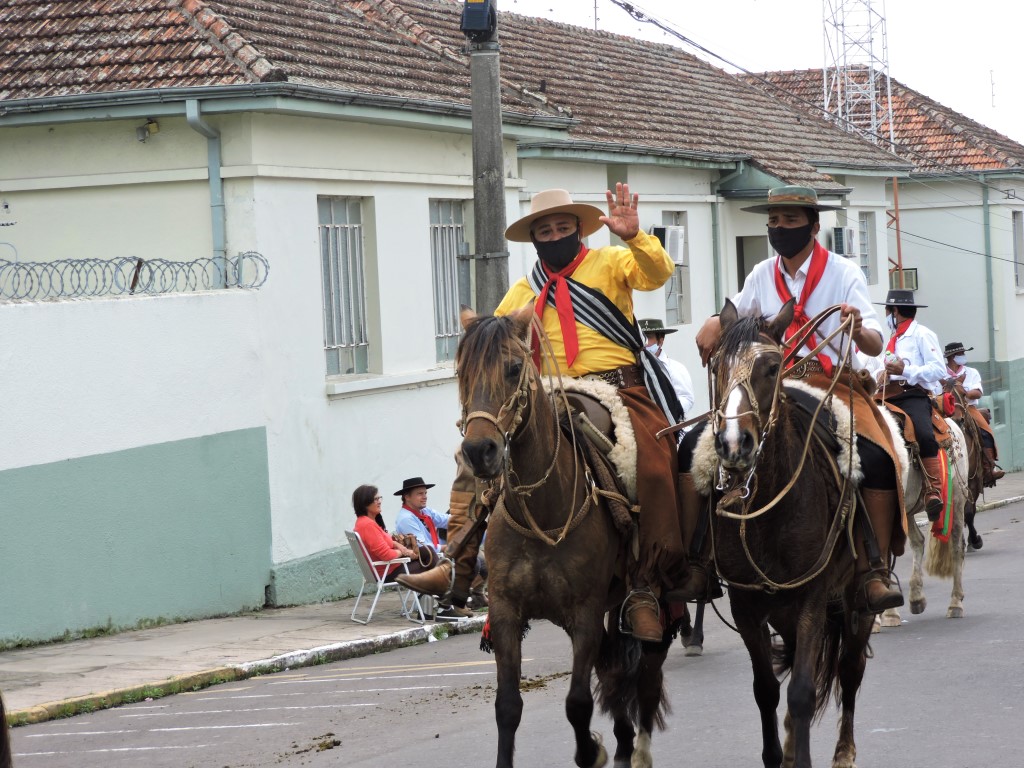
622,218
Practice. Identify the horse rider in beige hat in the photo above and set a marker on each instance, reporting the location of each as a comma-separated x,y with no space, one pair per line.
573,277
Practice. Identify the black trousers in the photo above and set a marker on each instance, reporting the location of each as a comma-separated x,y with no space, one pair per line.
917,404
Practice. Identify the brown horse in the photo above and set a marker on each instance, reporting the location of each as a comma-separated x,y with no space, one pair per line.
975,474
5,744
553,549
779,537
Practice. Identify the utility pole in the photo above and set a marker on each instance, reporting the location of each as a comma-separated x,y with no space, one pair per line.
480,26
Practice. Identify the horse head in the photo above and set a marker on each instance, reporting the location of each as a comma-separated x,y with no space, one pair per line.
747,373
497,381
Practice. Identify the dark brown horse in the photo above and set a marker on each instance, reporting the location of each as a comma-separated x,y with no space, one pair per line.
975,476
780,543
553,550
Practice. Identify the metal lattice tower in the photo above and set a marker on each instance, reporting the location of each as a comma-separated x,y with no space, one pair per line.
856,89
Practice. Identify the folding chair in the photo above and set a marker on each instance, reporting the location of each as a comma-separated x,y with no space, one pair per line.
370,576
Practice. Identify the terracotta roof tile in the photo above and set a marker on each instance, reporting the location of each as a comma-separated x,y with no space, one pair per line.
931,136
620,90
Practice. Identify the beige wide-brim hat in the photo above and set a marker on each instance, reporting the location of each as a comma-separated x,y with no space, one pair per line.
802,197
555,201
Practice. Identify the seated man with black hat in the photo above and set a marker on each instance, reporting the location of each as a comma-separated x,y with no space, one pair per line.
967,381
655,331
914,370
584,298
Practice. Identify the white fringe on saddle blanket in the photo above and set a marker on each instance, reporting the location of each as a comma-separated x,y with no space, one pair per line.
705,460
623,454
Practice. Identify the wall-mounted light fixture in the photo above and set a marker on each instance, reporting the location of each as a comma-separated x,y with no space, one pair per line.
143,132
5,215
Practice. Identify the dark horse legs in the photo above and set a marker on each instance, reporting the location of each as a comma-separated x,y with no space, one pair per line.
506,634
754,631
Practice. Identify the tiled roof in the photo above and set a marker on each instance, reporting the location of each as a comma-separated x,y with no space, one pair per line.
931,136
621,91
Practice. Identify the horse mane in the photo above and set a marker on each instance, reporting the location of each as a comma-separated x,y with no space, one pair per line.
743,331
489,342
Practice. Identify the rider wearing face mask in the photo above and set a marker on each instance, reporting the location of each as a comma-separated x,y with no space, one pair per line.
817,279
655,331
584,299
968,382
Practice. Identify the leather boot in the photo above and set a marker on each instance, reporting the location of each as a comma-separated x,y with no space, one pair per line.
872,567
932,495
460,554
477,594
695,586
644,616
989,467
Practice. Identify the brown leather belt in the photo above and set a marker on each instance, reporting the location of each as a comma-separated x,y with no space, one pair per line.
621,377
897,388
807,367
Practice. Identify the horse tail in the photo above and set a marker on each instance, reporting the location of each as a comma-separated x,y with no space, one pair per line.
5,744
938,561
621,666
833,648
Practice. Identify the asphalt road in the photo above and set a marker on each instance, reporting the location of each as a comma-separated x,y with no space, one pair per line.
940,693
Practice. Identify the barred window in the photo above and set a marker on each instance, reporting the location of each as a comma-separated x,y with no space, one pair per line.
866,245
674,236
1018,249
447,242
344,287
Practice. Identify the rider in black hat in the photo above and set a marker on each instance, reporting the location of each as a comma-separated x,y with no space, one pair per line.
967,380
914,369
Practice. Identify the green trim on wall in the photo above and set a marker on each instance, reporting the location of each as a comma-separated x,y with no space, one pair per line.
328,575
165,532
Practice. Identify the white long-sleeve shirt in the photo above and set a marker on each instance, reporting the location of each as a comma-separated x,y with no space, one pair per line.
923,363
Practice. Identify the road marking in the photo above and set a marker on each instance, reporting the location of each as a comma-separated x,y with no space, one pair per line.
489,673
111,749
303,693
218,727
75,733
252,709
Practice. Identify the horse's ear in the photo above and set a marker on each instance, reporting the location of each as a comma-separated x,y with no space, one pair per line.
777,327
522,318
728,315
466,316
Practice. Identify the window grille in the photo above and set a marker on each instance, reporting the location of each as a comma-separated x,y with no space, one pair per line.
674,236
447,241
1018,249
344,285
866,245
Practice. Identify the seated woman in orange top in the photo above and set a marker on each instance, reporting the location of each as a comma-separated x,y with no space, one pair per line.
366,501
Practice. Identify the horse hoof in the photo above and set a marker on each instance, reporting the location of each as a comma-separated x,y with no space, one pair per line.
602,754
891,618
975,541
955,613
918,606
693,650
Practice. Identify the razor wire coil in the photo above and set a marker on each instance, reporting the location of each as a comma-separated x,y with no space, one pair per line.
77,278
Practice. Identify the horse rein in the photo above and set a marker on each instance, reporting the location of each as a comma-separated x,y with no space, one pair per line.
741,378
509,419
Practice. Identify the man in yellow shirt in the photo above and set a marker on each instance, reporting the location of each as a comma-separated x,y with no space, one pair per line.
585,300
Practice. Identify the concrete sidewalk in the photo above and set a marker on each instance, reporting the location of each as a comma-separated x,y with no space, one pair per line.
63,679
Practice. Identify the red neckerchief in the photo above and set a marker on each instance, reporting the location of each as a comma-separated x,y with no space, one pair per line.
563,305
900,330
428,522
819,258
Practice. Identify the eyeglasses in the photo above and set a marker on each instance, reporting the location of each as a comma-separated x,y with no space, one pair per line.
378,498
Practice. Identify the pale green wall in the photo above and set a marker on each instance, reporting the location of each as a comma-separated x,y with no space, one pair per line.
168,531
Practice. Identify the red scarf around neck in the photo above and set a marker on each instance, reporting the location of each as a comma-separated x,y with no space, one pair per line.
819,258
563,305
900,330
428,522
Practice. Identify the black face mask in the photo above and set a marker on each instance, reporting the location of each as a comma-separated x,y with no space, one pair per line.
558,254
789,241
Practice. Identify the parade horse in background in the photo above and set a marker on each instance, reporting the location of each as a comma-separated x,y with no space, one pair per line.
5,743
554,550
975,474
780,533
942,555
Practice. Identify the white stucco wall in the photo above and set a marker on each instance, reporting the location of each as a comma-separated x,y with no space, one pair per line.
94,376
